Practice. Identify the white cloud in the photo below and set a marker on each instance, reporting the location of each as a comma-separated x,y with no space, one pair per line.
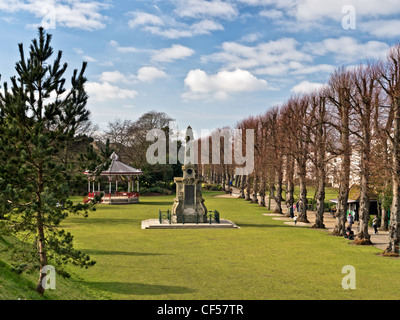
144,18
114,77
169,33
182,30
77,14
115,44
105,91
381,28
201,85
310,14
283,3
175,52
203,8
88,58
84,56
107,64
149,74
78,51
263,55
307,10
332,9
272,14
307,87
202,14
205,26
144,74
347,49
319,68
252,37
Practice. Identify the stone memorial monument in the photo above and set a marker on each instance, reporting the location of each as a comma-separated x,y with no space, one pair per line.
189,205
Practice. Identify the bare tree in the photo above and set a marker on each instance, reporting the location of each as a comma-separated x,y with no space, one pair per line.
364,99
296,110
118,134
381,177
390,82
338,94
275,139
287,143
318,140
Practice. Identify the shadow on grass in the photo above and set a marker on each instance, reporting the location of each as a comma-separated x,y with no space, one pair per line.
138,288
118,253
107,221
156,203
261,225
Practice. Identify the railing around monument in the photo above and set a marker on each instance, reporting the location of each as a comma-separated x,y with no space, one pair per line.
165,216
214,216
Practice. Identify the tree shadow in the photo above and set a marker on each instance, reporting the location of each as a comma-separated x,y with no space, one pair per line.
261,225
130,288
107,221
157,203
118,253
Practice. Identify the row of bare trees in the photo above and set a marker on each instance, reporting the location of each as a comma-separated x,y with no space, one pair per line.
357,113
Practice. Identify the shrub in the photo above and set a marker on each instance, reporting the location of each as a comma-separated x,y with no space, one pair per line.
212,187
144,190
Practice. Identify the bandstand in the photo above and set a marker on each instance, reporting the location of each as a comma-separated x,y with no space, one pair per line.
116,170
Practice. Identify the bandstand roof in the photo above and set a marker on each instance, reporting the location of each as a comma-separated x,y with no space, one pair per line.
118,168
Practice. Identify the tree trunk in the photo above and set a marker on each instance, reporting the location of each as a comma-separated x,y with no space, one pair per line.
319,215
394,227
262,192
363,236
41,253
242,186
278,196
254,197
384,219
343,198
271,195
384,215
290,184
248,189
303,193
236,181
223,182
41,241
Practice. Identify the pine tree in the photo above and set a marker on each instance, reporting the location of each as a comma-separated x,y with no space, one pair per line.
38,119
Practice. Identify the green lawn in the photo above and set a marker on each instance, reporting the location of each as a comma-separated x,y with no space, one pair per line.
330,193
265,259
15,286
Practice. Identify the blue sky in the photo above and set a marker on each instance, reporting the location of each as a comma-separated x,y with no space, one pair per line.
207,64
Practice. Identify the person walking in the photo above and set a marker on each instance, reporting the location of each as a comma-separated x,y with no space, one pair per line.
375,224
350,220
295,220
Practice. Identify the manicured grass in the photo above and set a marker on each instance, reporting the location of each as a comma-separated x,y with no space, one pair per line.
265,259
15,286
330,193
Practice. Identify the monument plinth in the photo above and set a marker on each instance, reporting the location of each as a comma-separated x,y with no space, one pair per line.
189,205
188,210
